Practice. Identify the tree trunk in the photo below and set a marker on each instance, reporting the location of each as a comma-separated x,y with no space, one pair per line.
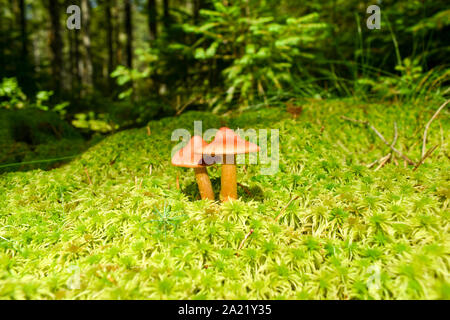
196,11
23,30
86,38
166,14
152,17
109,40
2,47
78,61
116,34
71,73
129,32
56,46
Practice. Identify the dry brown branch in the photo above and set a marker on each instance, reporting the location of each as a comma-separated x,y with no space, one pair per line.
245,238
187,104
247,191
424,142
284,209
395,160
383,161
370,165
87,175
427,154
395,135
367,123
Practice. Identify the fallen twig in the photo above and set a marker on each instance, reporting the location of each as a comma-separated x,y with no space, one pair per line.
388,156
284,209
395,135
247,191
179,111
370,165
395,160
367,123
427,154
245,238
87,175
383,161
424,142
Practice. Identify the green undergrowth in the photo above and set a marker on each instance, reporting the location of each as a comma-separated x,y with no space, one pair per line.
116,217
28,137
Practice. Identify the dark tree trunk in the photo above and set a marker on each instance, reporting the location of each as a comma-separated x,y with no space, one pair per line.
152,19
196,13
2,46
166,14
78,61
23,30
110,41
70,40
129,32
116,34
86,38
56,46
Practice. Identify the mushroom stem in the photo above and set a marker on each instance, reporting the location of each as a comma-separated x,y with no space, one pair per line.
228,182
204,184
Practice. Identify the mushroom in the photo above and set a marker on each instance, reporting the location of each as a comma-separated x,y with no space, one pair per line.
187,158
227,144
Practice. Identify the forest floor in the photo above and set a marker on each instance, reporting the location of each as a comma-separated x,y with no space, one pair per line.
116,222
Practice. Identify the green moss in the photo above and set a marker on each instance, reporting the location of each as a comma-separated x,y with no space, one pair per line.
352,233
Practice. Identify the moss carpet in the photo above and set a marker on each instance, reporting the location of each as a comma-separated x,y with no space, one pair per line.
114,223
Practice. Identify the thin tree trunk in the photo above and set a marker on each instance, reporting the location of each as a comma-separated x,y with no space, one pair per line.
166,14
78,62
70,40
86,38
116,35
129,32
56,46
2,47
23,30
196,11
152,19
109,40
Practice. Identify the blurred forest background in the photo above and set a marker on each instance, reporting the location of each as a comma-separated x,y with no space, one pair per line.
136,60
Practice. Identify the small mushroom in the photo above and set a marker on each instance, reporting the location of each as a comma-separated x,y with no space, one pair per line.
294,110
228,144
187,158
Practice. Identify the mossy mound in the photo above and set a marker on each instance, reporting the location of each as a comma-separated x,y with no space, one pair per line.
30,135
114,224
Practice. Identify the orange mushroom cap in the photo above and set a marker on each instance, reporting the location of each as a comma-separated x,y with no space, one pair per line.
186,157
228,142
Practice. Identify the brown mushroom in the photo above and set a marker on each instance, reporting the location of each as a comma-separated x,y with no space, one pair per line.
227,144
187,158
